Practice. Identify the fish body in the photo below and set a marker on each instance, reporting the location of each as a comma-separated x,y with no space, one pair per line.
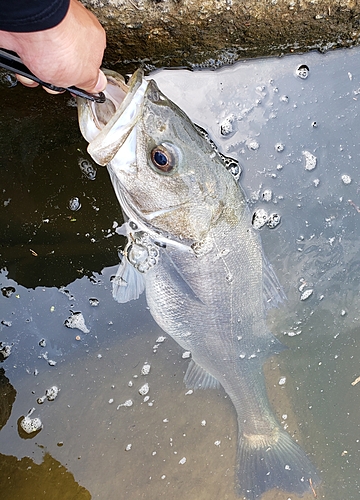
192,248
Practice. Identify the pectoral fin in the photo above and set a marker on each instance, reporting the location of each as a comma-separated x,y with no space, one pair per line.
198,378
273,293
128,283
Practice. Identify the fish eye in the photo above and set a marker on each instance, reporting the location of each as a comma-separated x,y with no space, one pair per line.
164,158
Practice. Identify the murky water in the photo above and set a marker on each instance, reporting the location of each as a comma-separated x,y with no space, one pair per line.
298,142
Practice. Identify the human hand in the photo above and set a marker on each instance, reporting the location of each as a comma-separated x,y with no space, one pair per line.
65,55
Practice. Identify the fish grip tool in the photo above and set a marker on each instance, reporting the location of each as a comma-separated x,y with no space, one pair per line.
12,62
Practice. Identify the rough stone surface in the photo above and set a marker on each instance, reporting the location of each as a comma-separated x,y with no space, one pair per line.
167,33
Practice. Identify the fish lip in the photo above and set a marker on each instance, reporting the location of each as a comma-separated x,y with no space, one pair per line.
129,89
88,111
104,145
134,83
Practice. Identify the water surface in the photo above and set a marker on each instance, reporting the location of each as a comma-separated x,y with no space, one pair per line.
297,140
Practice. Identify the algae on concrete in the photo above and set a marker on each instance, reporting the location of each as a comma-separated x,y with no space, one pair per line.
192,33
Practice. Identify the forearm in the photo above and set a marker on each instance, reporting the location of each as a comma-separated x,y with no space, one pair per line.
31,15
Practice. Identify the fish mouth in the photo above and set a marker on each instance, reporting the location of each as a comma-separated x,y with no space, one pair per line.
106,126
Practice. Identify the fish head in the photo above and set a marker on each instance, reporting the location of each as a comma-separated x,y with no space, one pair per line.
167,177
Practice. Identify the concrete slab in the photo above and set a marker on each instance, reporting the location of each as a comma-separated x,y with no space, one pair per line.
216,32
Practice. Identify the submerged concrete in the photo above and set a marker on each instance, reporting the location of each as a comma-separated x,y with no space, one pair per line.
216,32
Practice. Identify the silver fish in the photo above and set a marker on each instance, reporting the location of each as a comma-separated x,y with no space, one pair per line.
192,248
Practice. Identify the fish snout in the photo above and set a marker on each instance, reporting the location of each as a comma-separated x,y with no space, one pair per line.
152,92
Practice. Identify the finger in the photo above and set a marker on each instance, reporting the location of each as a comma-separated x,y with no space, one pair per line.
96,86
26,81
49,91
101,83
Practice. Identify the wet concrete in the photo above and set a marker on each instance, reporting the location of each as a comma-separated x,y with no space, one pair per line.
211,33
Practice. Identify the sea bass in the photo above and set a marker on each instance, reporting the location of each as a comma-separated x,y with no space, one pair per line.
192,248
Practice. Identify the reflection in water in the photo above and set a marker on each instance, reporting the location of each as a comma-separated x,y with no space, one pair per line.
23,478
315,247
7,398
42,240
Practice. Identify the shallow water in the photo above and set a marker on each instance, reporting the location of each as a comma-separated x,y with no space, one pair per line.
277,123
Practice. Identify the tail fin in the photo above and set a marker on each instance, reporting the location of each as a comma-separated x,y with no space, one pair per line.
267,462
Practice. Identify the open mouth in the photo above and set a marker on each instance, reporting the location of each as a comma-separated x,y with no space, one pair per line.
106,126
115,93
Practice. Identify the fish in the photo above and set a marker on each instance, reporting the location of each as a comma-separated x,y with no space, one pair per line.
194,252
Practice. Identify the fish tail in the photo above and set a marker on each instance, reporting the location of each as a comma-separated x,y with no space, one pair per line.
276,461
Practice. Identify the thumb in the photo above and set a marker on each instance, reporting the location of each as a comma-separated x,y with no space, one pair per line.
100,84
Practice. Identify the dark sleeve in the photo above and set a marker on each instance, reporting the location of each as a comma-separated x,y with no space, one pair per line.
31,15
